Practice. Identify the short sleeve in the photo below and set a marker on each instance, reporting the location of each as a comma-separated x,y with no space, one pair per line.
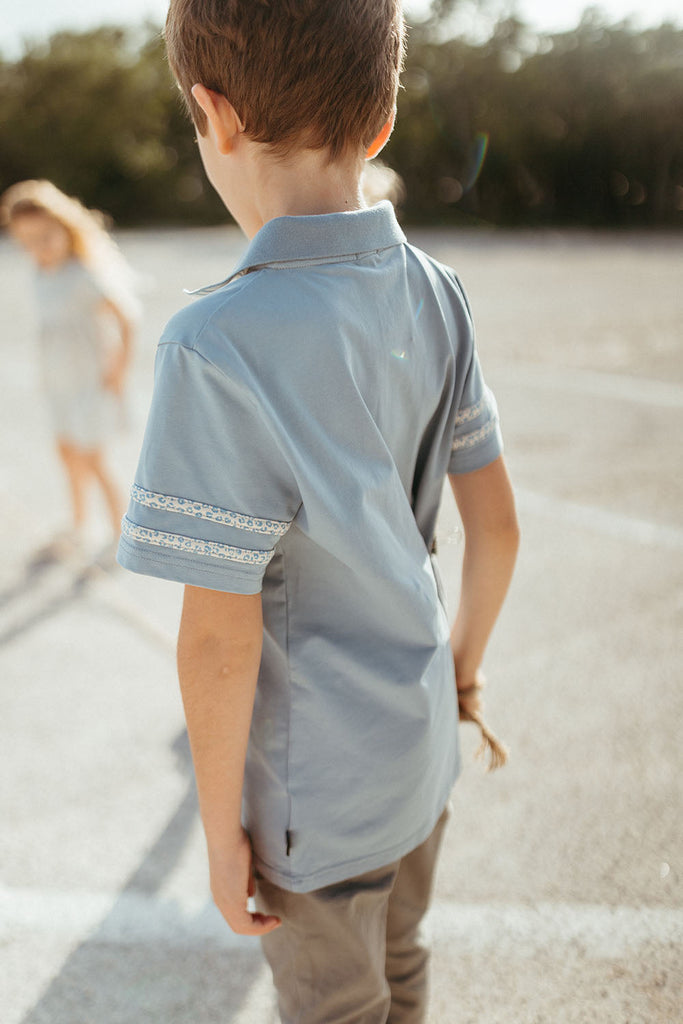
212,494
477,440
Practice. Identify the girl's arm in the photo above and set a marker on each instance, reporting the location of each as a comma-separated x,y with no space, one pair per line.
119,362
219,653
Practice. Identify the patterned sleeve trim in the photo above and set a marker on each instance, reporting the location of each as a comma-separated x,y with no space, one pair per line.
212,513
472,411
193,546
475,437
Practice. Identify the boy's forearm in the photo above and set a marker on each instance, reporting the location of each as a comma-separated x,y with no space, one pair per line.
487,571
219,653
218,670
487,508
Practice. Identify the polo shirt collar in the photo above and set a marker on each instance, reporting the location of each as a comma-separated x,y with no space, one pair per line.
322,238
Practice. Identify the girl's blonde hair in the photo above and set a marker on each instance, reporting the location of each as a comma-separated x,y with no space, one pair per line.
91,242
87,228
380,181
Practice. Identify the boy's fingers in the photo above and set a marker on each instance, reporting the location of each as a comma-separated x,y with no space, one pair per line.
469,703
267,922
246,923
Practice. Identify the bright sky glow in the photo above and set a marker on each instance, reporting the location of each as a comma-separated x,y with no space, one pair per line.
38,18
560,15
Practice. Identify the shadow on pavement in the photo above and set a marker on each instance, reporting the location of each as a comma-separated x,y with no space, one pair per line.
48,583
105,982
46,609
35,570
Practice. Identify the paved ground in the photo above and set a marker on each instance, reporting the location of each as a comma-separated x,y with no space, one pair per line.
559,897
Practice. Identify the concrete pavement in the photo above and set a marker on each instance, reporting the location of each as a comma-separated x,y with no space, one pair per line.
559,893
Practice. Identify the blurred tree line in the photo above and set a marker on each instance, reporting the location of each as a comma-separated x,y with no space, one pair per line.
582,127
98,113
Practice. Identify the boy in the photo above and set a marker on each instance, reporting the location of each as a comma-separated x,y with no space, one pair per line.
306,411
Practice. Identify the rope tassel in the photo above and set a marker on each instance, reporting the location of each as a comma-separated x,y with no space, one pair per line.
469,708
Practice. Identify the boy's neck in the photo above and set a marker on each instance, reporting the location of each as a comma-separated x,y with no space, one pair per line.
303,183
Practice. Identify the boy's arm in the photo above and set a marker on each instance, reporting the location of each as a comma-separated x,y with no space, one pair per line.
219,652
487,509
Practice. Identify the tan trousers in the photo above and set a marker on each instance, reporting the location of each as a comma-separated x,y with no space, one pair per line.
351,953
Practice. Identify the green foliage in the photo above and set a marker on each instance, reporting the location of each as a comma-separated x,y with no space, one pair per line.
99,114
582,127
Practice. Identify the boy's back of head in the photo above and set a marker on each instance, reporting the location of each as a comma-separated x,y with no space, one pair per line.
320,74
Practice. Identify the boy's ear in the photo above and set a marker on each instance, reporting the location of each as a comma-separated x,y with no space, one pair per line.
380,142
224,123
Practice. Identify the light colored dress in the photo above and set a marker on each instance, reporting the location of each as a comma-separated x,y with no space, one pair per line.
75,336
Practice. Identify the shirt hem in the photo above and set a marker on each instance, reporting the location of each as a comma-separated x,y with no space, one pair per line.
472,459
188,571
352,868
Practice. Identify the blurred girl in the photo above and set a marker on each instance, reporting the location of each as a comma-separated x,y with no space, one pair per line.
379,181
86,311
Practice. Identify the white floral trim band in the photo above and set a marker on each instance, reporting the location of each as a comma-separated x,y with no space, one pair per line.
212,513
474,438
472,411
193,546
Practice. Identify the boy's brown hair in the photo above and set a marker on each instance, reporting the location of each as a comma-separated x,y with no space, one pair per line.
320,73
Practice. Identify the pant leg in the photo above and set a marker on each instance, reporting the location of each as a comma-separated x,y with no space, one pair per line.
407,956
328,955
351,953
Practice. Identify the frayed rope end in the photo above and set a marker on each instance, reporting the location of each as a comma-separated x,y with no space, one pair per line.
490,744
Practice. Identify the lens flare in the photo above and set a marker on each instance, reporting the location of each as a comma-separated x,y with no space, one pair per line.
477,157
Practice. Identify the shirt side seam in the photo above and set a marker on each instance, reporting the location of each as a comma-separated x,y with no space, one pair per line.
289,707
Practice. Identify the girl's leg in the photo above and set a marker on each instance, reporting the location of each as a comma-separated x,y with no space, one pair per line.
77,476
97,468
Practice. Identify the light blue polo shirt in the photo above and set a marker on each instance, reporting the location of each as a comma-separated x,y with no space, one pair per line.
305,412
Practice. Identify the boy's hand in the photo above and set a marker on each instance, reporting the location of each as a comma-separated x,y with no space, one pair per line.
232,883
470,694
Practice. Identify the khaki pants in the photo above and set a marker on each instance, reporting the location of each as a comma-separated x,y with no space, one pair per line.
351,953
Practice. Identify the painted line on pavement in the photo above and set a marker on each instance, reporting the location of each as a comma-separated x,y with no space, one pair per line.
596,931
519,930
589,517
111,592
641,390
128,918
